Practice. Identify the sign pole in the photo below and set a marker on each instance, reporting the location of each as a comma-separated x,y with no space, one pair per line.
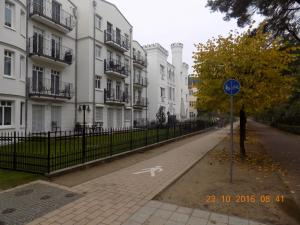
231,87
231,133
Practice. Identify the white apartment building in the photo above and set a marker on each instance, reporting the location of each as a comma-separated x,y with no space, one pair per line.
140,84
105,57
168,82
37,66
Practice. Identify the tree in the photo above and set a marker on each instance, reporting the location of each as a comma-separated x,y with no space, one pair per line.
254,60
282,16
161,116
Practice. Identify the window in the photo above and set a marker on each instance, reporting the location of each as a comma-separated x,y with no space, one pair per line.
99,114
55,82
8,63
5,113
162,94
162,72
98,23
22,67
9,14
37,79
22,113
127,115
98,82
98,52
23,23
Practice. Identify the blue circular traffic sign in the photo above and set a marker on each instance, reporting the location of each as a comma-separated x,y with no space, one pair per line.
232,87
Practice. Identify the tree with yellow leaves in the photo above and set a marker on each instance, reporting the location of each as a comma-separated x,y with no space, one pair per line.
252,59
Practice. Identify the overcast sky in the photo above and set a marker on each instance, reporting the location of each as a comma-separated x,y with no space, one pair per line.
168,21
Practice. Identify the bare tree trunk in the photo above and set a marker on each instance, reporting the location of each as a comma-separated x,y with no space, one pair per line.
243,122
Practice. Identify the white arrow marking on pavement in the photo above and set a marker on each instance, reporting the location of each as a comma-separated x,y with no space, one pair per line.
152,171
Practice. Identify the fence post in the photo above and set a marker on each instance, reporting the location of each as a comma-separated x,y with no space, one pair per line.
131,140
15,151
174,130
48,156
168,132
83,145
157,134
146,138
110,141
180,131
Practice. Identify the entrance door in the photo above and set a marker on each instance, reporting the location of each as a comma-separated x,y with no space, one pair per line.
110,118
38,118
55,82
119,118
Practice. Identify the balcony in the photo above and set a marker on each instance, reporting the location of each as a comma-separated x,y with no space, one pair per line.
140,81
41,88
49,51
115,68
140,102
116,41
51,14
115,97
139,61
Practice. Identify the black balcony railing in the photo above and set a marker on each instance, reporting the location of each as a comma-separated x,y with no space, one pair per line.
111,65
115,96
140,102
116,39
139,60
51,10
139,80
52,49
53,88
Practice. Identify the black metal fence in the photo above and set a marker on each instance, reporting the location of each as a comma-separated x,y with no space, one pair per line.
48,152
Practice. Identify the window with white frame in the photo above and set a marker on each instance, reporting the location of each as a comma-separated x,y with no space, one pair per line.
5,113
8,63
22,67
98,22
99,114
9,14
98,52
98,82
23,23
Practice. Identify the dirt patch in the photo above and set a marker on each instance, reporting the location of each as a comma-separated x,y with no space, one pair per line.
257,192
84,175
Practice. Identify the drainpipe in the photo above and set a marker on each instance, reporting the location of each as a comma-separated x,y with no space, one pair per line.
131,77
76,59
94,62
26,74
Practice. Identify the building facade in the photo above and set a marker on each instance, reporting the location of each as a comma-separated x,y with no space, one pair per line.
37,68
140,84
168,82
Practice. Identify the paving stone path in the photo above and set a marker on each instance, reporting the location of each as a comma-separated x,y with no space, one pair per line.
114,198
159,213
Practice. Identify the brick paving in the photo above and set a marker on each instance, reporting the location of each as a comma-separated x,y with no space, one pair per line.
159,213
114,198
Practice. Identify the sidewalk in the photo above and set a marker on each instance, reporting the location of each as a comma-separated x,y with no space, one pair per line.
284,148
113,198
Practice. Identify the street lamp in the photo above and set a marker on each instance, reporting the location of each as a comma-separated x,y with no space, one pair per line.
84,108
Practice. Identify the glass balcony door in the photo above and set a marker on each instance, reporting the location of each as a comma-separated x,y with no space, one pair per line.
37,79
38,41
55,47
56,8
55,82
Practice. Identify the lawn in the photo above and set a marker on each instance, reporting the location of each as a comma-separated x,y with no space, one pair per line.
63,149
10,179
